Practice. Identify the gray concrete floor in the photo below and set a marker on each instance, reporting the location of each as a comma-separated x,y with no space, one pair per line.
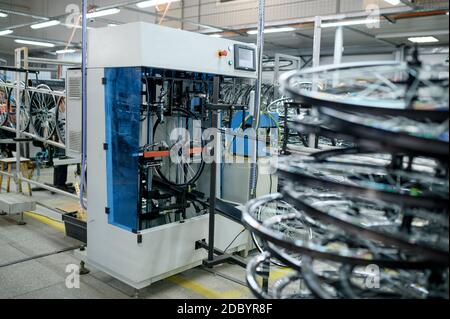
45,277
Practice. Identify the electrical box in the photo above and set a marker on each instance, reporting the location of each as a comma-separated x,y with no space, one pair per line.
236,180
73,113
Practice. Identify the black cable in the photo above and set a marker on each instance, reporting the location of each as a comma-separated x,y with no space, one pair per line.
39,256
270,184
243,230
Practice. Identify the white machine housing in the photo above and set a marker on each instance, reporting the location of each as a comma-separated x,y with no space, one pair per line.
145,44
168,249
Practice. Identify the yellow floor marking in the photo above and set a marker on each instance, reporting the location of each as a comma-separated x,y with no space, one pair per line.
275,274
202,290
279,273
177,279
50,222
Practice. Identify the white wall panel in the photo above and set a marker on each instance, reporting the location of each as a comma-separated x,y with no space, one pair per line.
244,12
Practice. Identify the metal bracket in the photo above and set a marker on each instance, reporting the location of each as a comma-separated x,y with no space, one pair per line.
221,257
23,139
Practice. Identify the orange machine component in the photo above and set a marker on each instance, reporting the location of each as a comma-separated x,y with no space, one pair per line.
223,53
155,154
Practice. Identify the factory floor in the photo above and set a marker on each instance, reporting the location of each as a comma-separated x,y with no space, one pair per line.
45,277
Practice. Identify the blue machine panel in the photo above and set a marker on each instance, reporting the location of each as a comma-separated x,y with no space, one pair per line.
242,145
122,109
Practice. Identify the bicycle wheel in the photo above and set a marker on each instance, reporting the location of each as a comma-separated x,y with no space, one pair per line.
43,112
61,119
275,206
4,94
421,232
24,110
332,244
393,133
374,87
187,168
412,189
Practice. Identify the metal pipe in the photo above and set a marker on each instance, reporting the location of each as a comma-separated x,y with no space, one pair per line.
53,62
338,45
44,186
338,50
260,49
83,100
37,138
253,180
213,174
32,89
18,63
316,62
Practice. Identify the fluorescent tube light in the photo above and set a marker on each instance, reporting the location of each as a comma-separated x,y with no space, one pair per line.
393,2
102,13
6,32
349,22
215,35
36,43
112,25
423,40
272,30
3,15
45,24
153,3
66,51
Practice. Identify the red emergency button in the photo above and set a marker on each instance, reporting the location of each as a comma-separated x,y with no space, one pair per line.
223,53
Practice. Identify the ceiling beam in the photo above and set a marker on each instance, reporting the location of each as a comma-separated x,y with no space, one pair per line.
371,36
23,14
56,42
412,34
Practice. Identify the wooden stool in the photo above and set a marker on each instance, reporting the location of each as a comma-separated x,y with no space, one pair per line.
26,167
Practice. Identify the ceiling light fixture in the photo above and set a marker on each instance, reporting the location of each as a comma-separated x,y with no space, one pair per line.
393,2
215,35
75,26
3,15
273,30
112,25
66,51
45,24
153,3
423,40
349,22
36,43
102,13
6,32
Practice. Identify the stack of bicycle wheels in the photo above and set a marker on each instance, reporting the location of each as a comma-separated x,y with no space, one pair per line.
369,221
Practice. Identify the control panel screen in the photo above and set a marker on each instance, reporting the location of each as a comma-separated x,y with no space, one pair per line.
245,58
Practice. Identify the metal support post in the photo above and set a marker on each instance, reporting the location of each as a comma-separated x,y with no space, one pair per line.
338,49
83,102
257,110
17,78
213,172
338,45
313,139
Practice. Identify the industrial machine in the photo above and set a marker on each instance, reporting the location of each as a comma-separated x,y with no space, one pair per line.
146,211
